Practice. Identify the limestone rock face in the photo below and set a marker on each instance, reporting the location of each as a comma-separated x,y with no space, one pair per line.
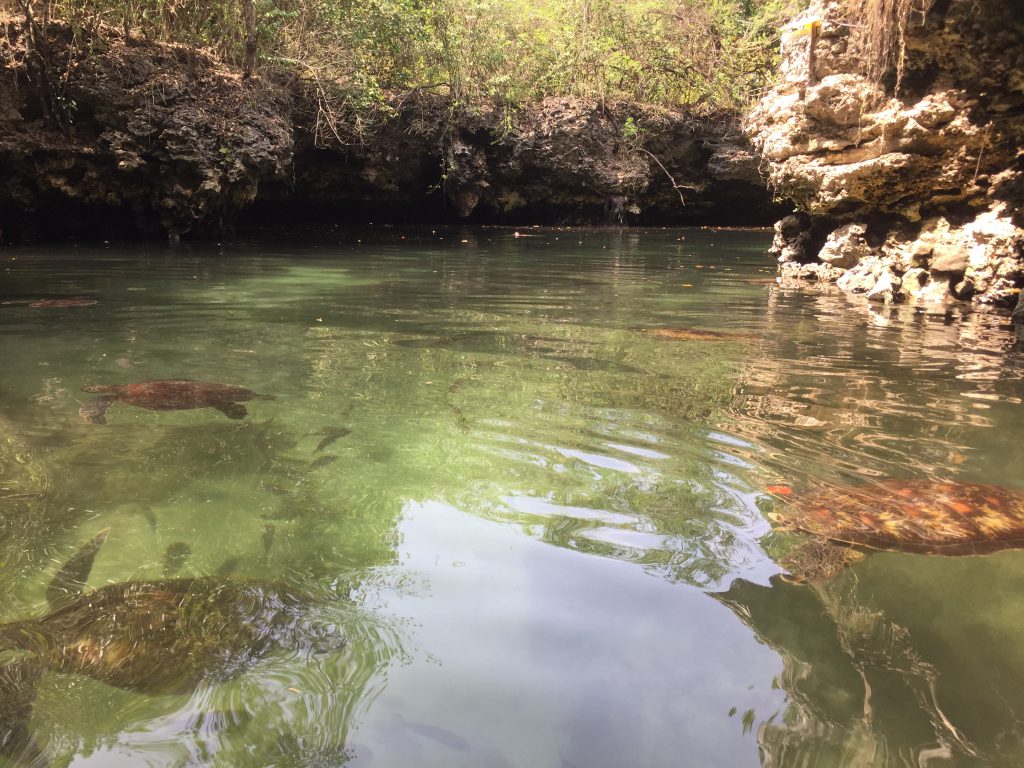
159,139
846,246
924,163
560,160
154,137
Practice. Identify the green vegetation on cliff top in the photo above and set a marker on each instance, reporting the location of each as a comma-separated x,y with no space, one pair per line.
712,54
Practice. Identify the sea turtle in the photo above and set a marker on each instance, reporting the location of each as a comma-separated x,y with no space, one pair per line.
156,637
168,395
935,518
62,303
699,334
163,636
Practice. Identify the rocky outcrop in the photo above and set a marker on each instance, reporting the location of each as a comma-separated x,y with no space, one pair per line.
144,137
161,139
910,182
559,161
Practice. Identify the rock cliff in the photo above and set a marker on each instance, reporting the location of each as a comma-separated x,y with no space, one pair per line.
135,137
140,138
560,161
909,177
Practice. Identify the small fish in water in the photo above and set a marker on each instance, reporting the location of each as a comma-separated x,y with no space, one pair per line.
175,557
62,303
456,386
460,420
287,512
439,735
269,534
12,494
323,461
277,489
331,435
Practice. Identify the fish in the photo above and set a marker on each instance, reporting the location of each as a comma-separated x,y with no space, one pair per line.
323,461
269,534
63,303
331,435
175,557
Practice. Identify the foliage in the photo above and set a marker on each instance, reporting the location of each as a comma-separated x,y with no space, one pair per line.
358,53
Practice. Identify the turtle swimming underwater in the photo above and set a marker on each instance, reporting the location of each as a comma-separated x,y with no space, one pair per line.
164,636
168,395
935,518
699,334
62,303
156,637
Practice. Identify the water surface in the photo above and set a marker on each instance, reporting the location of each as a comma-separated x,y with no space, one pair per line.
539,525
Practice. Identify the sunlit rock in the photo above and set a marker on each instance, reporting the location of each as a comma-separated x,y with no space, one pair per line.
846,246
924,154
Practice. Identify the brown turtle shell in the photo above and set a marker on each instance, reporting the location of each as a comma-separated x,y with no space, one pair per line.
925,517
175,395
699,334
168,395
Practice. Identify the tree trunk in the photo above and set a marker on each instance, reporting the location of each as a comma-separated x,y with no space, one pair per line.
249,23
37,66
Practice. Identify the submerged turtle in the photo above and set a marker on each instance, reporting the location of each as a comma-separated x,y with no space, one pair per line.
932,518
63,303
699,334
168,395
156,637
163,636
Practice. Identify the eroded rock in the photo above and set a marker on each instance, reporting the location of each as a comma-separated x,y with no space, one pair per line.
928,161
846,246
158,136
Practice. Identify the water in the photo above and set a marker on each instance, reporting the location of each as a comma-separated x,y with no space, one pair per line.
538,527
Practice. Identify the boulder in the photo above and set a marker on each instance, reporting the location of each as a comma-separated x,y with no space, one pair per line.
846,246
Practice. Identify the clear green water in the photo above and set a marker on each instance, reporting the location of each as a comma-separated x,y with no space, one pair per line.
544,538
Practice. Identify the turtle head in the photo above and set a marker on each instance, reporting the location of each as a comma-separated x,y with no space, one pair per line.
816,561
781,521
101,388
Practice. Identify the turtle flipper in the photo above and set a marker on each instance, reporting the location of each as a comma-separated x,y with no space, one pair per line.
150,516
816,561
70,580
233,410
95,411
18,682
